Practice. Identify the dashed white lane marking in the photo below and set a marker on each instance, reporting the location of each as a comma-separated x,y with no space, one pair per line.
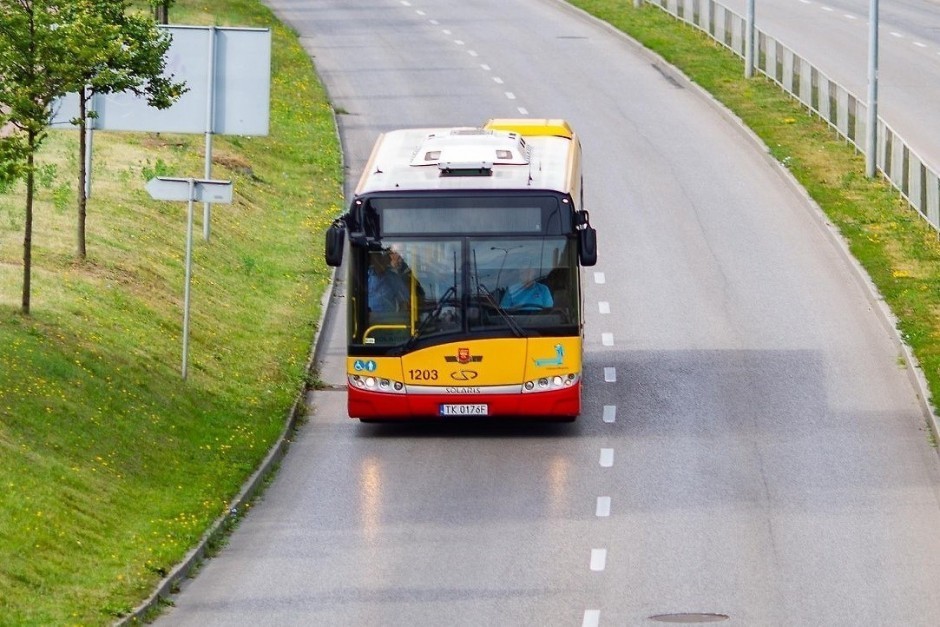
603,307
485,67
854,18
610,413
599,278
603,507
598,559
405,3
610,374
473,53
592,618
607,339
420,12
607,457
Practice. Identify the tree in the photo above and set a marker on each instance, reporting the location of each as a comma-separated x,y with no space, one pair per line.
125,53
161,10
38,48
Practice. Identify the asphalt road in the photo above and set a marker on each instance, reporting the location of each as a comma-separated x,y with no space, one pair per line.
750,446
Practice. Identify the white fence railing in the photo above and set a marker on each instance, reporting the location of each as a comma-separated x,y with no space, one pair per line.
917,181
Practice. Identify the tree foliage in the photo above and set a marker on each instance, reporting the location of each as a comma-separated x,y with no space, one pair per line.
125,52
37,62
12,157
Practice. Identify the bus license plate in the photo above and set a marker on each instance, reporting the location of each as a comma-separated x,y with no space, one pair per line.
467,409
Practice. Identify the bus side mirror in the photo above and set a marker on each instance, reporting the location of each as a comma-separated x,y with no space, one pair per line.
335,240
587,246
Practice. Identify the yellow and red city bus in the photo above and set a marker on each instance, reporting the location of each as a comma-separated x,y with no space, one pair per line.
463,278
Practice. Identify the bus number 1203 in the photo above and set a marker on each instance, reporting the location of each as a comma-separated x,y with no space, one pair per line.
423,375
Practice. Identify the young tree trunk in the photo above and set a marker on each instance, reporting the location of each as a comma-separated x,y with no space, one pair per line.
28,235
161,13
82,173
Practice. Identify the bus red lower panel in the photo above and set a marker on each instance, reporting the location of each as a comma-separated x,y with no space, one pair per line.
561,404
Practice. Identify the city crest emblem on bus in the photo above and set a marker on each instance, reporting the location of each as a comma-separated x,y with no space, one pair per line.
463,357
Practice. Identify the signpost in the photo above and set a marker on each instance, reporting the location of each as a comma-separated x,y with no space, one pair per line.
190,190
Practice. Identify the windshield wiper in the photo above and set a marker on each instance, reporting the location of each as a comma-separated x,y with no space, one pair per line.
510,322
449,297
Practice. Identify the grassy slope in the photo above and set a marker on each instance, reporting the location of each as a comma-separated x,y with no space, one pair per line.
111,467
900,251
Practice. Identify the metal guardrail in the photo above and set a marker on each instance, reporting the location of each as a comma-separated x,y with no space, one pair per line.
916,180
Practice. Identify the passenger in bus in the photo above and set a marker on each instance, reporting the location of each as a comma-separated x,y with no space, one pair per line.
527,294
388,282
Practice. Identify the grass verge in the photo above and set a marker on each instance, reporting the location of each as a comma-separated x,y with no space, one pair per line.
897,248
111,467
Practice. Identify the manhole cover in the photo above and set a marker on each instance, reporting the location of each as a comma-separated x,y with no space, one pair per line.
689,618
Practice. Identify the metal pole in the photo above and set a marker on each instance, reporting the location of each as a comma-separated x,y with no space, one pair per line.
189,272
749,41
871,141
210,108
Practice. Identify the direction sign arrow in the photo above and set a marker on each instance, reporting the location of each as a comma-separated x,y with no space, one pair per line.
203,190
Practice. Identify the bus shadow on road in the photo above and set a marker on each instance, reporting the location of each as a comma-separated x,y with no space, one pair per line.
526,427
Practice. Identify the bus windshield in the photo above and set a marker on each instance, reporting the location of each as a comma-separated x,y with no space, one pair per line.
414,292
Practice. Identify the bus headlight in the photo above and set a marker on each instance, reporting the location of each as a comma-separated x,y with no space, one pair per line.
547,384
376,384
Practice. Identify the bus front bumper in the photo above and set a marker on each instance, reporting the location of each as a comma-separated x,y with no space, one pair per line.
563,404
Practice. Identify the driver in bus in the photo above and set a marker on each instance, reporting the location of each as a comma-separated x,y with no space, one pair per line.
389,282
527,293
